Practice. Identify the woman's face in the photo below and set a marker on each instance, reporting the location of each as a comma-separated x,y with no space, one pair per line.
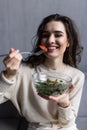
54,37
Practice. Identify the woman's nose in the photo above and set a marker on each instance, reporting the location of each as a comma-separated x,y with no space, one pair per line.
51,39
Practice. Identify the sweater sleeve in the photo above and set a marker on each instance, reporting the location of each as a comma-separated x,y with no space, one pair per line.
6,87
67,116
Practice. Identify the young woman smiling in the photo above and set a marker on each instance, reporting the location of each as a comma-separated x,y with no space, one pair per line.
63,51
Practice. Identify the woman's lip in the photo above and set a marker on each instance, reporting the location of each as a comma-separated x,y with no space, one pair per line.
52,47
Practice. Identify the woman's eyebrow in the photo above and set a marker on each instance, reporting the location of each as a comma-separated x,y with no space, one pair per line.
56,31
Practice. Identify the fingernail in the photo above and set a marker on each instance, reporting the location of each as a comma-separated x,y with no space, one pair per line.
17,50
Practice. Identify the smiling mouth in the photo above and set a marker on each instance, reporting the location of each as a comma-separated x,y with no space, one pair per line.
52,48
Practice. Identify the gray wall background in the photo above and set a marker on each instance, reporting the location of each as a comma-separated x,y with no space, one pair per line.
19,20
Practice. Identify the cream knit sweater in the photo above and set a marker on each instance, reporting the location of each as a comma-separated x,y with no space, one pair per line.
34,108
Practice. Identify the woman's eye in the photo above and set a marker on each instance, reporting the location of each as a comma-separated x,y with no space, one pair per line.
45,35
58,35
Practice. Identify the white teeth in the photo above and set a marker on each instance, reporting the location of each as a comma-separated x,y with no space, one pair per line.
52,47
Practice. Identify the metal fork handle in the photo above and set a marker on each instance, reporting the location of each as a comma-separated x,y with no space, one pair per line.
24,53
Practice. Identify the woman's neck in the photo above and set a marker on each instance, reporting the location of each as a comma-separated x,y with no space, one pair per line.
55,64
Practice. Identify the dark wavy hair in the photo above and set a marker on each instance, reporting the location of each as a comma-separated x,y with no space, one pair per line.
72,55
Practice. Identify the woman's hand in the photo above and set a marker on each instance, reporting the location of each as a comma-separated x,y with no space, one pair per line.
61,100
12,63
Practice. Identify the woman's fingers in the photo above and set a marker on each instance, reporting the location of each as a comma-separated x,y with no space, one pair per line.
61,100
12,61
71,87
11,50
14,53
57,98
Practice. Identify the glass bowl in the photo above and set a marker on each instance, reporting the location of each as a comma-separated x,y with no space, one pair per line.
52,83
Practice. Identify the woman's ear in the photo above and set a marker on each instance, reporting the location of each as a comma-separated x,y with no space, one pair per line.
68,44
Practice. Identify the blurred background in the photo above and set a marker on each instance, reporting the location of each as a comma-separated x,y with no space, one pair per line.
19,20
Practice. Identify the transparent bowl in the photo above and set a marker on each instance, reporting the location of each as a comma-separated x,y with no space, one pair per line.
52,83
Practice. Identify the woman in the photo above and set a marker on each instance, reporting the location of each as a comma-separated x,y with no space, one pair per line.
57,33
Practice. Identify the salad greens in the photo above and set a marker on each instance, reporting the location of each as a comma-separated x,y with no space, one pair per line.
49,87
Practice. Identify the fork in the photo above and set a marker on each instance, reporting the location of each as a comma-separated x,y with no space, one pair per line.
27,52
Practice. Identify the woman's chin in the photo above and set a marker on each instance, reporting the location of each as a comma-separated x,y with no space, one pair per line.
52,55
